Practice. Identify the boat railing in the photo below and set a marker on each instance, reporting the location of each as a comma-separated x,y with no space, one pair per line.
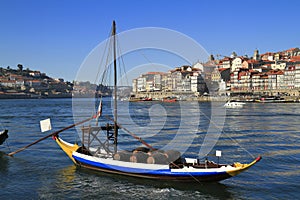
95,141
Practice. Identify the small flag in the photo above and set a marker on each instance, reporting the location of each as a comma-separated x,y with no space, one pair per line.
218,153
99,112
45,125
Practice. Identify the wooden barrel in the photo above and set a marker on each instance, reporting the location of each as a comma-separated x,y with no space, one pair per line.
123,156
157,158
173,155
155,152
142,149
139,157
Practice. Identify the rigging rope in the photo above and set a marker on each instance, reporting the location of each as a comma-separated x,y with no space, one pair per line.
122,61
234,140
106,52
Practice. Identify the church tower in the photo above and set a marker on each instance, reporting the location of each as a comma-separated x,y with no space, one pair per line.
256,55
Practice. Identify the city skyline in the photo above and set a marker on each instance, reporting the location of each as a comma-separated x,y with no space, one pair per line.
56,36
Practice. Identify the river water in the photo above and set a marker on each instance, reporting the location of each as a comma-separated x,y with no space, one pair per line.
43,171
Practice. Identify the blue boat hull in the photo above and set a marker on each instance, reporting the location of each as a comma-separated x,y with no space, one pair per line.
164,174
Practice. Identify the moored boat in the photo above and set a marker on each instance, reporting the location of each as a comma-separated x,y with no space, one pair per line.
169,99
146,99
146,162
3,136
271,99
140,99
234,104
187,169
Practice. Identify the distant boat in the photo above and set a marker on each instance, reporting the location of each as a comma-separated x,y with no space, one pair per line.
272,99
142,162
169,99
146,99
234,104
134,99
3,136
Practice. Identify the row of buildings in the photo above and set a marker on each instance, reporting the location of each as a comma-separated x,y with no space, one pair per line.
181,79
28,83
269,73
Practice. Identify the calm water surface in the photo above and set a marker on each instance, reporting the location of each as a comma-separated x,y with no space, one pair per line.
43,171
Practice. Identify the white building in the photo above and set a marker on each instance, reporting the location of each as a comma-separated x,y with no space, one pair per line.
281,65
236,63
157,80
134,86
297,76
199,66
289,77
141,84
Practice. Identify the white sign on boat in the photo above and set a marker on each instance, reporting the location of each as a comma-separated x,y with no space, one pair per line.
45,125
218,153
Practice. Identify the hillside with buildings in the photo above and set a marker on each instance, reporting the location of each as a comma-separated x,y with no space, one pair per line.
21,84
270,73
26,83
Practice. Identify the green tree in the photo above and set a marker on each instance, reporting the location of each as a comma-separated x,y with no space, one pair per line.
20,67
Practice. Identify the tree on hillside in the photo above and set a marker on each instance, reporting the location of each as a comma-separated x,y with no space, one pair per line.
233,54
20,67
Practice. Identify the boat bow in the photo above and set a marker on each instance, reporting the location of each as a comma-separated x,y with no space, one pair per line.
238,167
67,147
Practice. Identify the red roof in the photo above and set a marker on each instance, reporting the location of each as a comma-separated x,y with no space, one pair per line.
268,54
35,81
280,72
295,58
252,61
275,72
253,71
155,73
291,49
226,59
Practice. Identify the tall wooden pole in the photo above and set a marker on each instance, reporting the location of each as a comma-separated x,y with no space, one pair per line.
115,86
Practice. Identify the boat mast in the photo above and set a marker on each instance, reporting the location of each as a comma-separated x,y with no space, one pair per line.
115,86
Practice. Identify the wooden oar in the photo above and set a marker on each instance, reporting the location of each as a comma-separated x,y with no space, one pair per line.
133,135
52,134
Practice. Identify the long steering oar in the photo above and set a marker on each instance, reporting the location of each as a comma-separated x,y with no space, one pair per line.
52,134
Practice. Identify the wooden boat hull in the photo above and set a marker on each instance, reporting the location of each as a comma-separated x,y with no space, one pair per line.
3,136
151,171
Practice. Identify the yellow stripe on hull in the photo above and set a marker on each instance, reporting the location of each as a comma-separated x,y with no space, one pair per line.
67,148
241,167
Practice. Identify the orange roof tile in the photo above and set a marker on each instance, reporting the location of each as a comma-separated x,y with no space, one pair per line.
267,54
252,61
291,49
295,58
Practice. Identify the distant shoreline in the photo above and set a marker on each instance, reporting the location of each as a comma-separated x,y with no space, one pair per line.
33,96
286,99
50,96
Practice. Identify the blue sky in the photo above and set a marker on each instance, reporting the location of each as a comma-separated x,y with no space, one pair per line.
55,36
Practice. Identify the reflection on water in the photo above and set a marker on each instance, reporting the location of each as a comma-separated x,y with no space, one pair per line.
44,172
84,183
4,164
66,177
